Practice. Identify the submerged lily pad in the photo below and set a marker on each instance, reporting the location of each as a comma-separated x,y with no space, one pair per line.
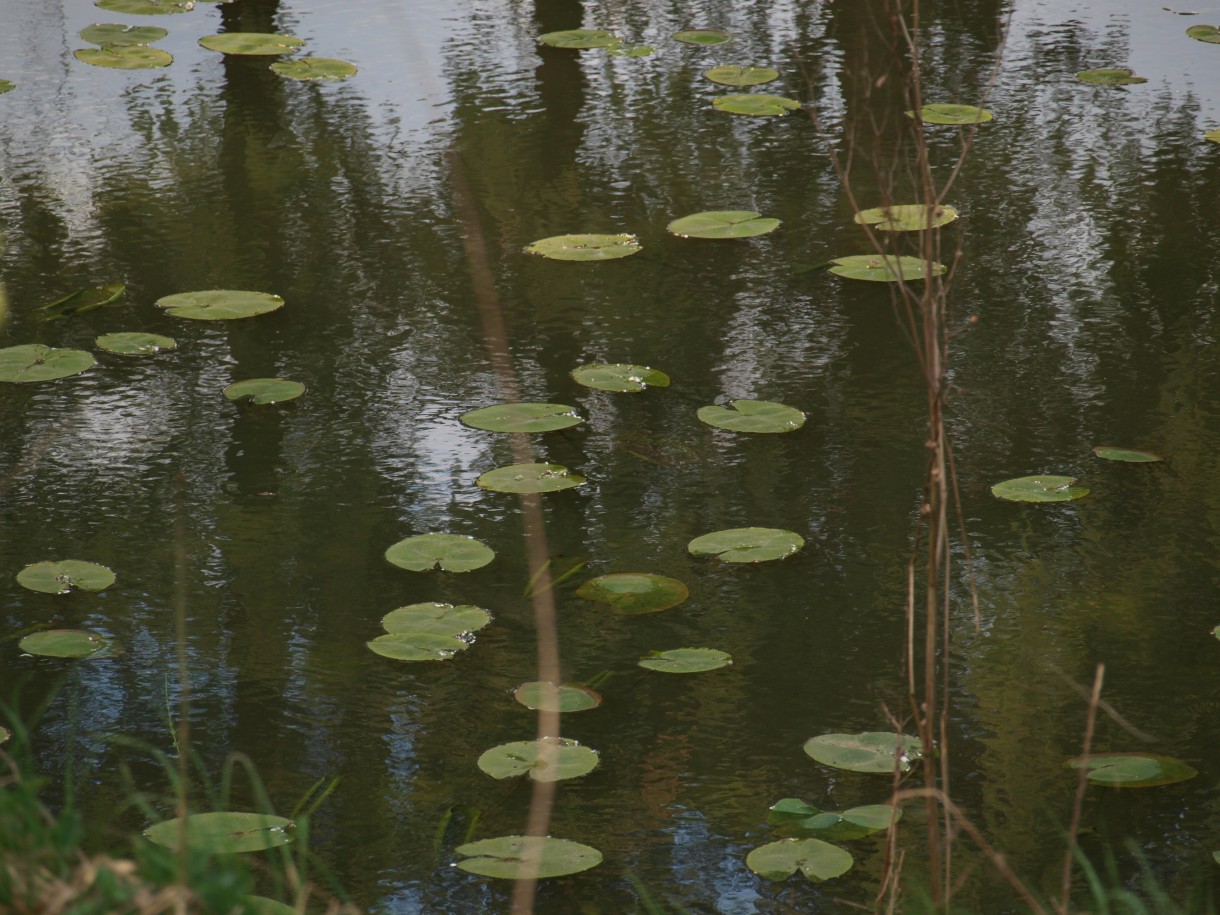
522,478
449,552
1110,76
256,44
1133,770
686,660
35,362
633,593
265,390
81,301
116,34
705,37
548,697
125,57
146,7
417,646
756,104
314,68
443,619
223,833
814,858
580,39
64,575
723,224
523,417
513,857
952,114
584,247
1126,454
871,751
219,304
1208,33
747,544
65,643
753,416
1043,488
547,759
132,343
794,814
878,268
906,217
621,377
733,75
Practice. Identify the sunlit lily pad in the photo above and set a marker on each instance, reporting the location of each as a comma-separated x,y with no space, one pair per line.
81,301
1126,454
265,390
1110,76
814,858
116,34
686,660
314,68
635,50
795,815
879,268
952,114
621,377
35,362
257,44
733,75
723,224
523,417
633,593
702,36
418,646
125,57
529,478
6,86
219,304
872,751
65,575
1133,770
752,416
747,544
511,857
580,39
548,697
132,343
1043,488
906,217
224,833
548,759
1213,135
443,619
584,247
146,7
756,104
1208,33
65,643
449,552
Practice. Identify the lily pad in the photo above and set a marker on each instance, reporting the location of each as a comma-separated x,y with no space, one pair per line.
906,217
747,544
65,643
63,576
314,68
753,416
1208,33
132,343
621,377
879,268
513,857
548,759
146,7
5,734
733,75
952,114
637,50
7,86
443,619
706,37
723,224
116,34
872,751
1126,454
522,478
219,304
449,552
523,417
1110,76
548,697
223,833
1213,135
255,44
1133,770
756,104
584,247
265,390
418,646
580,39
686,660
634,593
1043,488
125,57
81,301
794,814
814,858
35,362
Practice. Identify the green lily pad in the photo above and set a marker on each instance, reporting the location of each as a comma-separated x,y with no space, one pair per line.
116,34
314,68
686,660
1208,33
580,39
548,759
146,7
706,37
633,593
548,697
512,857
7,86
256,44
523,417
872,751
35,362
265,390
637,50
747,544
443,619
1110,76
1132,770
722,224
794,814
219,304
65,643
621,377
584,247
733,75
418,646
814,858
132,343
879,268
449,552
906,217
81,301
952,114
125,57
756,104
1126,454
1213,135
63,576
1043,488
223,833
753,416
529,478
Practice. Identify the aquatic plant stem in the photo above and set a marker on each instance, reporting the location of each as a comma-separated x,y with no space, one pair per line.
1082,783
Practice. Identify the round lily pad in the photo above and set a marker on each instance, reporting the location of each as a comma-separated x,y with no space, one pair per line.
256,44
314,68
1213,135
1126,454
584,247
219,304
35,362
814,858
952,114
132,343
722,224
620,377
794,814
418,646
65,643
906,217
1133,770
548,697
125,57
548,759
223,833
265,390
445,619
872,751
62,576
633,593
753,416
7,86
747,544
733,75
1208,33
529,478
879,268
146,7
523,417
1110,76
637,50
756,104
449,552
1043,488
580,39
511,857
116,34
686,660
705,37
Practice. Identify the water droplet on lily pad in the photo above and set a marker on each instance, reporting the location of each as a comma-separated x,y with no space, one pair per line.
64,575
633,593
66,643
521,478
952,114
871,751
219,304
706,37
307,68
686,660
584,247
223,833
879,268
413,645
146,7
547,759
747,544
1042,488
794,814
1132,770
723,224
125,57
449,552
523,417
81,301
753,416
1129,455
116,34
35,362
733,75
511,857
620,377
1208,33
1110,76
265,390
756,104
906,217
256,44
814,858
548,697
133,343
442,619
580,39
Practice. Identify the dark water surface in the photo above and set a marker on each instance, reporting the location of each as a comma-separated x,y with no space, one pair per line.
1090,234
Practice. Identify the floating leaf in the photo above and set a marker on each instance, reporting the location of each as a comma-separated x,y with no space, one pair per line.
219,304
5,734
75,303
513,857
523,417
1208,33
814,858
1110,76
1213,135
686,660
265,390
794,814
906,217
872,751
547,759
442,619
722,224
256,44
753,416
1044,488
125,57
584,247
62,576
883,268
638,50
223,833
314,68
756,104
35,362
116,34
6,86
146,7
633,593
732,75
705,37
65,643
1216,632
132,343
621,377
580,39
529,478
1126,454
952,114
548,697
450,552
747,544
1132,770
418,646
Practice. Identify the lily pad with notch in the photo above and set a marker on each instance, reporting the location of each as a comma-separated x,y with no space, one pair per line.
448,552
67,643
747,544
1040,488
311,68
635,593
734,75
1127,455
135,343
1110,76
146,7
62,576
756,104
223,833
686,660
941,113
116,34
547,759
265,390
580,39
413,645
723,224
814,858
523,417
1206,33
1132,770
219,304
548,697
880,268
906,217
584,247
871,751
435,617
81,301
795,815
529,478
762,416
704,37
620,377
514,857
33,362
125,57
251,44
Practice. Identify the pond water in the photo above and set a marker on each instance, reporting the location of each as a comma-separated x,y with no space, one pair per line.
389,209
